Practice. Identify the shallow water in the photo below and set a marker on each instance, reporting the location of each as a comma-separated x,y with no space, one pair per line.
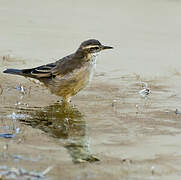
109,130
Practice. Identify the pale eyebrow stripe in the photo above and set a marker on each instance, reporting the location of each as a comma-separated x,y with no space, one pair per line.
90,46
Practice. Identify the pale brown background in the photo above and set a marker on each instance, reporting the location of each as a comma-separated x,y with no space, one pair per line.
146,36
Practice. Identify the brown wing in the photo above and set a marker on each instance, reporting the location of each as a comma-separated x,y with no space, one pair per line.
49,70
43,71
39,72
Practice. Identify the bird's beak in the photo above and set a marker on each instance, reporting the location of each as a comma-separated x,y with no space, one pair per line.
106,47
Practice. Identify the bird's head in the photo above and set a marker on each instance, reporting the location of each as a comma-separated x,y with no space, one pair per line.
92,47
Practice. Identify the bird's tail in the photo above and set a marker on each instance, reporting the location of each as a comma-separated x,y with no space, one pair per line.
13,71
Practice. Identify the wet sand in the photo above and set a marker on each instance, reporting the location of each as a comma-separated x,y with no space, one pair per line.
132,137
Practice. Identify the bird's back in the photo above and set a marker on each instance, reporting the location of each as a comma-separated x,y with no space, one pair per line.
73,77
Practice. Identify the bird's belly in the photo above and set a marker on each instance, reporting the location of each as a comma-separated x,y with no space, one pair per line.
72,83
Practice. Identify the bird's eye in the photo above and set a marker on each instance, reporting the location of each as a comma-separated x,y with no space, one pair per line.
94,48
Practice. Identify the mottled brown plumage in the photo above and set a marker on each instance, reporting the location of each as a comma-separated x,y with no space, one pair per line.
67,76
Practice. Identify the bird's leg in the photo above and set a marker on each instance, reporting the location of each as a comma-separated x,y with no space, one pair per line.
66,99
66,104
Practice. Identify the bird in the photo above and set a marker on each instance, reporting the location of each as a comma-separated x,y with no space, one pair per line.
68,75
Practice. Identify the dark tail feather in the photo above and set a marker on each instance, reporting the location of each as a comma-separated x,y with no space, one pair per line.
13,71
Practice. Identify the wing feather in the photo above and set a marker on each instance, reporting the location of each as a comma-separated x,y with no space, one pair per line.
60,67
43,71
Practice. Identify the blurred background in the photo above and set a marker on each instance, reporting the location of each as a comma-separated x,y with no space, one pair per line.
125,133
145,34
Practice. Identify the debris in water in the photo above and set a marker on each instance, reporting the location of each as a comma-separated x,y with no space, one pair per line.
177,111
17,103
126,160
20,173
7,135
21,89
47,170
145,91
15,116
113,103
5,147
153,170
17,130
137,107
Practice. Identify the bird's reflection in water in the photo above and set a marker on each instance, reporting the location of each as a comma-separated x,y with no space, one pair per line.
65,122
